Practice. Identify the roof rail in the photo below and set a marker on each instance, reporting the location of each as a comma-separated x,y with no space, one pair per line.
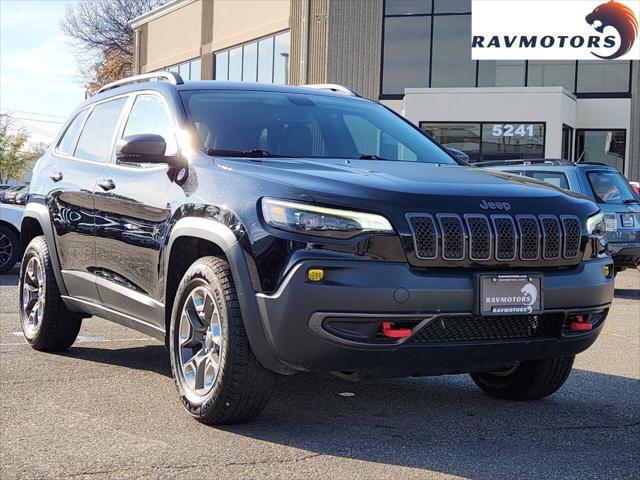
524,161
333,87
171,77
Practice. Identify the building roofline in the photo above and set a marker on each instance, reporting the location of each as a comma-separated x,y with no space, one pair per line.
158,12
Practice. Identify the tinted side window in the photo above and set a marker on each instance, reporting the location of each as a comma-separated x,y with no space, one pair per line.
95,139
150,114
558,179
68,140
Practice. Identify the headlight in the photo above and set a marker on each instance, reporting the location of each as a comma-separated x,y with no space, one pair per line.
596,225
321,221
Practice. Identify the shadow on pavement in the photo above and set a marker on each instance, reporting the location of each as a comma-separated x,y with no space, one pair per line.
153,358
628,294
589,429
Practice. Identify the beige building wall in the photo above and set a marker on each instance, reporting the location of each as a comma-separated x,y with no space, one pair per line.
174,38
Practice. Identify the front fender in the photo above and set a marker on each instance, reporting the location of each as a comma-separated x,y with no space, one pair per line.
222,236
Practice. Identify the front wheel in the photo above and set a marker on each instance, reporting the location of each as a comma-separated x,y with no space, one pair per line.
9,249
219,379
530,380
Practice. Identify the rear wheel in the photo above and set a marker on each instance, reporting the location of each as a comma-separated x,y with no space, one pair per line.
531,380
46,324
9,249
219,379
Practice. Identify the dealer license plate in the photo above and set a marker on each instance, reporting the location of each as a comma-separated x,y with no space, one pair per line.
510,294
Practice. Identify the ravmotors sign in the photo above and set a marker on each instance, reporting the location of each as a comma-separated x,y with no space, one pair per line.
555,30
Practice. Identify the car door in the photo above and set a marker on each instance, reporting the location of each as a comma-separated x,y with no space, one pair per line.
78,160
133,204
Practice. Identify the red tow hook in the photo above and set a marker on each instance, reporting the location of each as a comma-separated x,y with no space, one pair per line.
580,324
390,332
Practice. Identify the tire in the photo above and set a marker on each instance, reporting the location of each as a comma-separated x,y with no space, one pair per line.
531,380
238,389
46,324
9,249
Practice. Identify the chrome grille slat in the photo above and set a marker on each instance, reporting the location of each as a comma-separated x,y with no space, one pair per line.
453,236
529,237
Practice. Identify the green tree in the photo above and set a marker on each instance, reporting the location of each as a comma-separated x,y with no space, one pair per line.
16,155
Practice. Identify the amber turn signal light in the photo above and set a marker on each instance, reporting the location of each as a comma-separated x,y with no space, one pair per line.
315,274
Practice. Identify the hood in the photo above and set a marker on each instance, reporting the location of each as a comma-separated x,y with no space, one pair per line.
413,186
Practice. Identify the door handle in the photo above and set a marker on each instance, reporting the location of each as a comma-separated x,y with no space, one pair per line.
106,184
56,176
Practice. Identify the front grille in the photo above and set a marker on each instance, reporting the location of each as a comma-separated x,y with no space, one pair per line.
498,238
468,328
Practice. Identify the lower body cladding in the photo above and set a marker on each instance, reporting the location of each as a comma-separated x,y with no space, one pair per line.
386,319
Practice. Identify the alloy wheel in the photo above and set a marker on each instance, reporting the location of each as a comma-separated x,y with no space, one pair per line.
33,297
199,344
6,249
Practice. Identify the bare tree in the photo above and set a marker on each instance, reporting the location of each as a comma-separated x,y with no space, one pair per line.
100,30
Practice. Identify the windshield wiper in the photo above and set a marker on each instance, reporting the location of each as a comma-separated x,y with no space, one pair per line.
255,153
631,200
370,157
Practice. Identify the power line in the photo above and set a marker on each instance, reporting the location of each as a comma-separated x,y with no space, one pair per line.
11,110
36,120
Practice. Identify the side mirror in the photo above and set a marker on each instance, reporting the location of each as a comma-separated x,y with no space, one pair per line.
145,148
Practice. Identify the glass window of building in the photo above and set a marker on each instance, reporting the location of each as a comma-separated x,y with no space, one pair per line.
407,7
189,70
463,136
598,76
452,6
602,146
235,64
250,62
451,64
552,74
265,60
490,141
519,140
501,73
222,66
406,53
281,58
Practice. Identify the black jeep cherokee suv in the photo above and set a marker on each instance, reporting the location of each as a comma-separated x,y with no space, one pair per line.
262,230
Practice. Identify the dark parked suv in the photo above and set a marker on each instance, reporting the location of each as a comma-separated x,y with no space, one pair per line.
262,230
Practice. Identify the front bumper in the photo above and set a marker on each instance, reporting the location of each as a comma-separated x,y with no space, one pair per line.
294,318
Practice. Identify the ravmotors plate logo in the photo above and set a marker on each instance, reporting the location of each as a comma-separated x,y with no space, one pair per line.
619,16
558,30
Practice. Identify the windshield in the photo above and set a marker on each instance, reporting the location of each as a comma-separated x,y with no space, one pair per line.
276,124
610,187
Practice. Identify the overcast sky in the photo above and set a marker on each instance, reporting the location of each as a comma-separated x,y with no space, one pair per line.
39,80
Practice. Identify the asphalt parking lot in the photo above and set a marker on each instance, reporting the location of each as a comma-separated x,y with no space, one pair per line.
108,409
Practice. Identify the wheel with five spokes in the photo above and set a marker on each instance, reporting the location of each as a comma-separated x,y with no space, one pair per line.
218,377
46,323
9,249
